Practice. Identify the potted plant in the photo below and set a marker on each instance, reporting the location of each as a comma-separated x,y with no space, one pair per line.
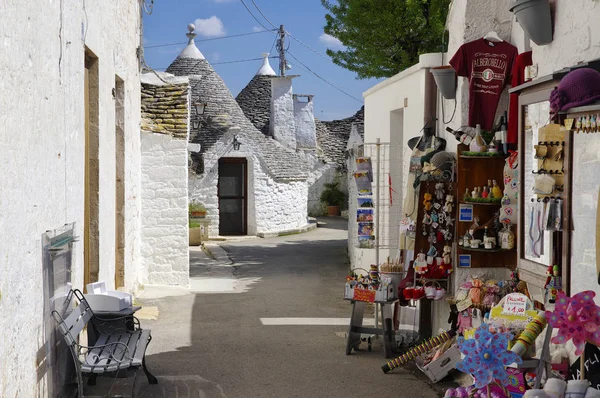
445,79
333,197
197,210
195,233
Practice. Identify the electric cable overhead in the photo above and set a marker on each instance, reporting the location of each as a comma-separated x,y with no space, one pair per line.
253,16
229,62
261,13
211,39
323,79
307,46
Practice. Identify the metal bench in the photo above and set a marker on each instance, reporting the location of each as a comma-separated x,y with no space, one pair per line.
112,352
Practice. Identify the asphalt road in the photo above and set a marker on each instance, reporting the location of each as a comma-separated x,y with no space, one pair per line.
215,344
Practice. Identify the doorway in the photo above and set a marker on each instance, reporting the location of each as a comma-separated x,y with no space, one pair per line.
232,191
91,228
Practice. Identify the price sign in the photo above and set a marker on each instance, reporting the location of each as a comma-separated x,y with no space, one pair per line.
364,295
515,304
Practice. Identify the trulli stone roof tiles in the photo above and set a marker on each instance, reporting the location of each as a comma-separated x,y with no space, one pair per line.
222,112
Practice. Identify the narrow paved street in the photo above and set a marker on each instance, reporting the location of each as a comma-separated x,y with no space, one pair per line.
236,342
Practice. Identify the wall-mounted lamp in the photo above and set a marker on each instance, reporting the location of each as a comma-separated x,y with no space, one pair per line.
236,143
200,107
196,124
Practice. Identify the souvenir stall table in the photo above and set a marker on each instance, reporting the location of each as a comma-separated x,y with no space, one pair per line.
383,294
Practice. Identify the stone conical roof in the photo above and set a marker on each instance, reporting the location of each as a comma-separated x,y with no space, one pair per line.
223,112
255,101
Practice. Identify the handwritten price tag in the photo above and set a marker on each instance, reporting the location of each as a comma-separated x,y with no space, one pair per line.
364,295
515,304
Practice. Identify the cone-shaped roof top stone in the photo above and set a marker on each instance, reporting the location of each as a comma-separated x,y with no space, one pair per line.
265,69
191,51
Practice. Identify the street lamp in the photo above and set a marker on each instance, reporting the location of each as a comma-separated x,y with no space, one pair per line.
236,143
196,124
200,107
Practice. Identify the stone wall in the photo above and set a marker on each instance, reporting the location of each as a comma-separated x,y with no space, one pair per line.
273,205
331,174
282,126
304,119
42,97
165,109
165,254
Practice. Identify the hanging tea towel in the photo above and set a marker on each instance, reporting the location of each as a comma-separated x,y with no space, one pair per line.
508,211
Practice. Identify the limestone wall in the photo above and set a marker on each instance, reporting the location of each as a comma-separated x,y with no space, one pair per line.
282,126
165,254
42,140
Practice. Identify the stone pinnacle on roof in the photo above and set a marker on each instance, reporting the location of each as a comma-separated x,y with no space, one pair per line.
191,51
265,69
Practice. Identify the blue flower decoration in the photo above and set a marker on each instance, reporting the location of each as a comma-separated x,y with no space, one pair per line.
486,356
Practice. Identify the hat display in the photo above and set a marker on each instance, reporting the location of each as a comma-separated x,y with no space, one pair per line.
579,87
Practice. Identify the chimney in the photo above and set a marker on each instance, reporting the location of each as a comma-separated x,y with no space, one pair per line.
282,126
304,119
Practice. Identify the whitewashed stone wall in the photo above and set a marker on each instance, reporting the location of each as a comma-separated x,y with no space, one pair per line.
282,126
576,36
273,205
304,119
42,141
330,174
165,254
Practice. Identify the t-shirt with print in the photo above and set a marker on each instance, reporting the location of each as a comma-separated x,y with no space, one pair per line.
488,66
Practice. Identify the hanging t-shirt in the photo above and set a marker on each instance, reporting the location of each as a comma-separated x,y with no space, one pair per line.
487,65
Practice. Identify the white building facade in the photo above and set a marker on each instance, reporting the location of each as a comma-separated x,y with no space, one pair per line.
70,116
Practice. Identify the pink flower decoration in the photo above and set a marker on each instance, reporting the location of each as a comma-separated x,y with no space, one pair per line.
576,318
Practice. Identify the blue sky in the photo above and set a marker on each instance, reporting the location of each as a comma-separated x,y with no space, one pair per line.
216,18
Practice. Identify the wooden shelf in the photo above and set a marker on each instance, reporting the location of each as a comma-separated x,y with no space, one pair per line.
497,250
503,157
481,203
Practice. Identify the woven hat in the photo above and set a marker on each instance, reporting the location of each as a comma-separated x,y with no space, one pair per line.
443,160
577,88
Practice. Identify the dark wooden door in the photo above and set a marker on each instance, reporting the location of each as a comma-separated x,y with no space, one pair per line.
232,192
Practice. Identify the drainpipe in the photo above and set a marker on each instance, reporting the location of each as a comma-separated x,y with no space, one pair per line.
430,100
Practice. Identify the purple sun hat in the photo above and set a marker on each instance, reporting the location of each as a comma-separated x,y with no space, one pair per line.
577,88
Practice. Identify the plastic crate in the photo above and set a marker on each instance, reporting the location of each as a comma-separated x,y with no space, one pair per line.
438,369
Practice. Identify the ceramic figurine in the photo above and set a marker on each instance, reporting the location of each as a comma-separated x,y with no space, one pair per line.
505,200
478,143
593,124
578,125
588,124
485,194
496,191
474,193
467,195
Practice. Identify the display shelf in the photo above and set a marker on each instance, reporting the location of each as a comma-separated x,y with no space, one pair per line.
497,250
475,172
466,202
499,156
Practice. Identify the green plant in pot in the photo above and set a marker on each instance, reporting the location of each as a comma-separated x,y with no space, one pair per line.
333,197
197,209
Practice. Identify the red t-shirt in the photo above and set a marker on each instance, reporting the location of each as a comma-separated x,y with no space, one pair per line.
488,66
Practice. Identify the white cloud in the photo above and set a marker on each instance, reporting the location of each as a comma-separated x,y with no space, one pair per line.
210,27
330,41
257,29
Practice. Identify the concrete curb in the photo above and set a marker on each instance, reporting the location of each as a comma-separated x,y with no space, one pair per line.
301,230
218,253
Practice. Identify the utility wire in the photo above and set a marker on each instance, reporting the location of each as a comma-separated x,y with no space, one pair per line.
307,46
325,80
214,38
230,62
253,16
261,13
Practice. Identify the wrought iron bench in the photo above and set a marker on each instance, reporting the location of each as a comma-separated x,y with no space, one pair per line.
113,351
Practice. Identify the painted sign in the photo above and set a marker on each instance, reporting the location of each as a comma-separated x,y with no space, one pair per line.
465,213
464,260
364,295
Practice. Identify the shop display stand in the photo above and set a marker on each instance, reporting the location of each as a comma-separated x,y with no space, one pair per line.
422,245
542,364
357,332
475,171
